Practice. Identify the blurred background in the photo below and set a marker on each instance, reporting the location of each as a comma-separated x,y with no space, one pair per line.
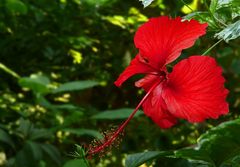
58,62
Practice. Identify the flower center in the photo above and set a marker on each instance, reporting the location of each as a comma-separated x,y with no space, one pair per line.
162,74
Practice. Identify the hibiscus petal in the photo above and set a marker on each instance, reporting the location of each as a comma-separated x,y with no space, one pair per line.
136,67
161,39
195,90
147,82
156,109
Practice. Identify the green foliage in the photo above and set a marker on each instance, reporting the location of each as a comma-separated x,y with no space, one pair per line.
16,7
219,17
4,137
81,132
59,60
37,83
135,160
217,147
74,163
222,142
52,152
231,32
75,85
122,113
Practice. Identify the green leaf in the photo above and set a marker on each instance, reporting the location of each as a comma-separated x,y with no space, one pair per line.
222,142
221,7
220,145
135,160
233,161
146,2
213,6
231,32
80,152
196,156
81,132
16,6
218,4
222,3
24,158
75,163
29,156
37,83
39,134
122,113
77,56
64,107
52,152
202,17
117,20
75,85
25,128
235,9
198,15
35,150
4,137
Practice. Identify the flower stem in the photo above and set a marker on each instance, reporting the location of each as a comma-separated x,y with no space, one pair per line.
211,47
9,71
120,129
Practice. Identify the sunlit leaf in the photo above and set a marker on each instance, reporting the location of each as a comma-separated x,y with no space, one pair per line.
79,42
190,7
216,7
75,85
235,9
146,2
213,5
231,32
217,4
117,20
77,56
121,113
37,83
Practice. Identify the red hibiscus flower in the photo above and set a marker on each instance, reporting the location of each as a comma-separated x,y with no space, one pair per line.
194,90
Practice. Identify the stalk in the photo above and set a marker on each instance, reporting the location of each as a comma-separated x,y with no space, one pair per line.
121,128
